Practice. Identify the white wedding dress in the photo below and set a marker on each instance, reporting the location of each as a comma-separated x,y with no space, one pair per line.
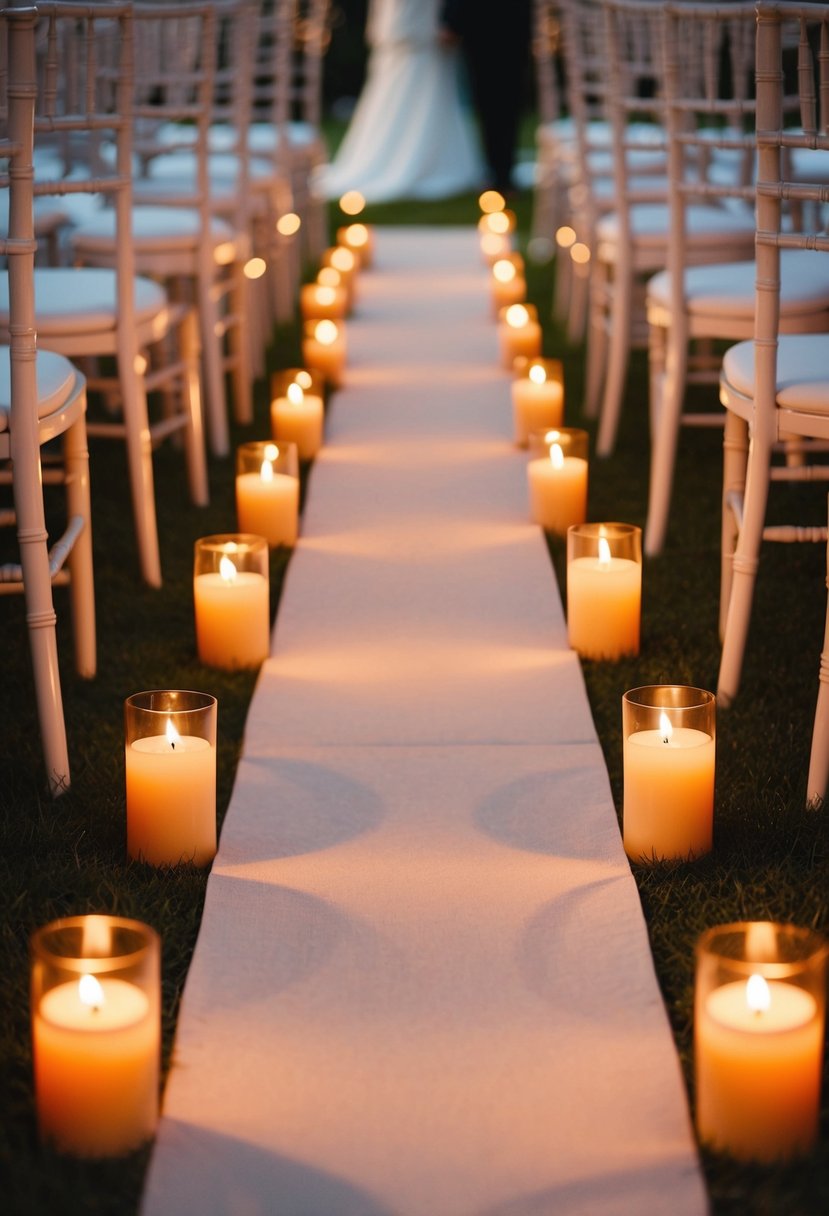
409,136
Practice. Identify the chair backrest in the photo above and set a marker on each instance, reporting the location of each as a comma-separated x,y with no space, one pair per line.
792,168
546,46
312,35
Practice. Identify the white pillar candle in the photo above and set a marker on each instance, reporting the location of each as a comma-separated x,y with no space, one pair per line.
297,417
758,1056
604,596
96,1045
668,792
232,616
558,490
324,349
267,502
537,402
171,798
519,333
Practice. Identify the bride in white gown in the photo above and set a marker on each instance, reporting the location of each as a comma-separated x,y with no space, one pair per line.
409,136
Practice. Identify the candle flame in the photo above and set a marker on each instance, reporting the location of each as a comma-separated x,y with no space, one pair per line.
356,234
498,221
758,995
172,734
666,730
343,259
537,373
352,202
266,471
504,271
295,394
271,451
329,276
90,992
604,552
227,570
491,200
493,243
516,316
326,295
556,456
303,378
326,333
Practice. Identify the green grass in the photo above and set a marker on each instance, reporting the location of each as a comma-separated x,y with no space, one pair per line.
771,857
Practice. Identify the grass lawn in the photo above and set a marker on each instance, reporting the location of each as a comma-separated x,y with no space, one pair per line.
771,857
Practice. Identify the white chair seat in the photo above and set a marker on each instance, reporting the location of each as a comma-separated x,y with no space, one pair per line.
802,372
157,229
728,288
56,381
223,167
69,300
650,225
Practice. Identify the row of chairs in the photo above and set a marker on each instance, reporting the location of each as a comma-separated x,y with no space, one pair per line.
689,178
163,173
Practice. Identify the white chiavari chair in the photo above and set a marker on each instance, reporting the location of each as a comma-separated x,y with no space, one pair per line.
775,389
42,397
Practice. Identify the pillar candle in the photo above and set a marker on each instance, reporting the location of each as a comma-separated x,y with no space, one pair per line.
537,402
359,238
267,504
96,1062
171,798
319,302
668,792
232,616
508,283
323,349
297,417
558,490
604,596
758,1057
519,333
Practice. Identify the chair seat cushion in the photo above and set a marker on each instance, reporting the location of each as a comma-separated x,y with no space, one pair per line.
224,169
709,225
727,288
69,300
802,371
153,229
56,379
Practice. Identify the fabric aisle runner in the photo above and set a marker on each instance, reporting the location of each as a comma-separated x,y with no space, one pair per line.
422,984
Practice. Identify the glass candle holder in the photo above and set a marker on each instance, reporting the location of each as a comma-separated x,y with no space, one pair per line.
170,754
495,245
345,262
230,600
96,1034
298,416
324,349
759,1013
557,478
604,589
508,283
519,333
267,491
309,381
537,396
321,301
669,745
359,238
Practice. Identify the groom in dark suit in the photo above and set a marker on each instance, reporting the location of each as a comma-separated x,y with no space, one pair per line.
495,37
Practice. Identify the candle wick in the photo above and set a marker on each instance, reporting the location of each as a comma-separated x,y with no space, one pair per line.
172,744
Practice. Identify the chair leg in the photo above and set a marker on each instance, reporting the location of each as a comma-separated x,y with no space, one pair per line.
665,423
81,584
617,359
140,464
744,573
194,430
239,348
735,460
215,397
597,338
818,778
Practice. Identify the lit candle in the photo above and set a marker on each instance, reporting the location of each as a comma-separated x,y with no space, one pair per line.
321,301
537,398
297,417
171,792
345,262
323,348
359,238
495,245
558,486
604,595
668,791
519,333
508,283
95,1046
267,491
758,1048
231,602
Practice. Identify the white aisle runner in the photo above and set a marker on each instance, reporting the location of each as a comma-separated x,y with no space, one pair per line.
422,985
